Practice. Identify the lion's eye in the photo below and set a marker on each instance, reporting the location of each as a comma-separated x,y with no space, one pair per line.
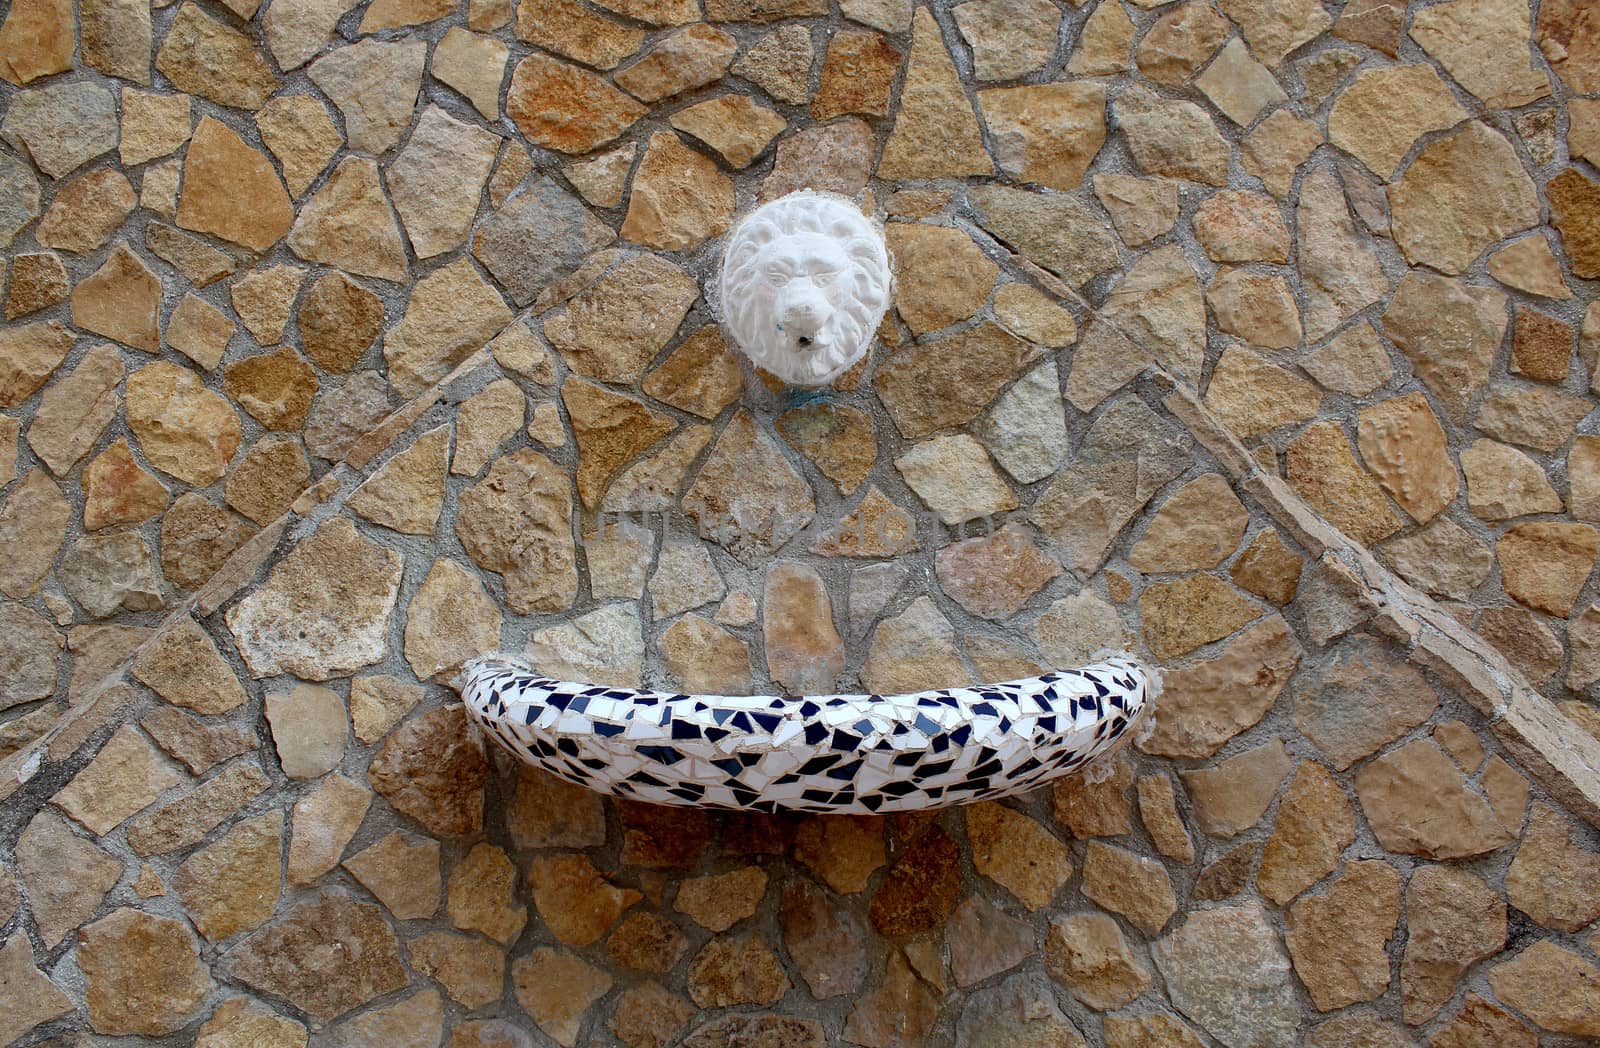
824,278
777,279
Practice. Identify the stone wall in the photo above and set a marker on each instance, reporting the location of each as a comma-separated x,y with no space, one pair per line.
345,344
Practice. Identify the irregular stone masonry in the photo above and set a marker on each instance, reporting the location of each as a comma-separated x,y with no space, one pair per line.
317,315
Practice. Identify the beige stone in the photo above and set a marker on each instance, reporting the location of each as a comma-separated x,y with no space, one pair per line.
1529,265
205,57
1197,528
1418,803
1359,699
838,439
1277,148
1180,42
142,973
269,478
75,410
1186,614
326,956
348,224
36,40
780,63
1088,953
125,777
1158,305
1237,226
1058,232
1047,134
935,134
415,1022
719,901
804,650
1482,44
1134,886
610,430
556,988
1534,416
913,651
485,421
736,127
481,895
1274,30
86,211
1544,565
1453,921
747,496
1384,111
993,577
393,14
38,281
375,86
605,646
437,178
1480,1023
941,383
1474,176
1502,482
1034,316
1206,704
232,884
308,729
219,170
1016,852
64,877
242,1022
325,820
377,703
945,277
1249,1000
1338,268
342,589
1553,879
474,65
33,523
1239,85
706,659
679,198
185,821
1314,826
1553,986
1338,938
1403,444
858,74
431,769
1103,43
577,33
406,493
119,300
183,666
955,478
565,108
403,875
471,970
1259,308
613,329
1233,795
452,313
1321,468
338,320
299,132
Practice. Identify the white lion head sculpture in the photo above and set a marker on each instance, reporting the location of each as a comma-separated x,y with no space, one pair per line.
805,283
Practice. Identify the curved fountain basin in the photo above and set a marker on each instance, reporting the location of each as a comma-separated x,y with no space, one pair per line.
821,753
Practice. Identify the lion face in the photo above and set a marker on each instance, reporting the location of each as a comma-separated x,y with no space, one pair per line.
805,282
